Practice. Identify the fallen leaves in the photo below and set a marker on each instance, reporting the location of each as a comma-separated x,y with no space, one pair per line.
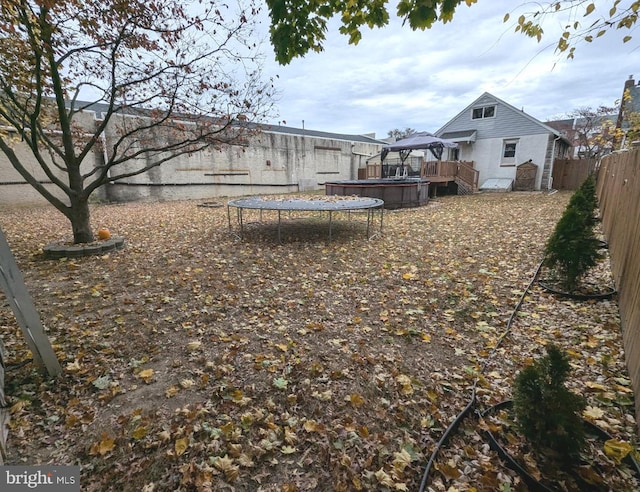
181,445
296,366
146,375
616,449
105,445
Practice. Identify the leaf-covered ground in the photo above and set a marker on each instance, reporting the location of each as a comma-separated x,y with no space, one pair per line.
197,361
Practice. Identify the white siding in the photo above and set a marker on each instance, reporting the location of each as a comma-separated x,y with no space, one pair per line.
509,123
487,156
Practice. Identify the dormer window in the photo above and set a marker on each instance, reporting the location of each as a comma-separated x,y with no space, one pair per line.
483,112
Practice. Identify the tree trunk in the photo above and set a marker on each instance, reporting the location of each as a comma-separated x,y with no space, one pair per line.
80,218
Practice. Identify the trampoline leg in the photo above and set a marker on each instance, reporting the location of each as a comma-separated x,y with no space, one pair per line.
279,221
369,212
330,225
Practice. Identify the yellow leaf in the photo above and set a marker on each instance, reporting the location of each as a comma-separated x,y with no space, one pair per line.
227,466
596,386
288,450
181,446
590,8
356,400
311,426
408,276
384,478
74,366
187,383
237,395
593,413
18,406
622,389
195,345
282,346
450,472
171,391
106,444
617,450
139,432
146,375
405,382
325,395
401,460
290,436
425,337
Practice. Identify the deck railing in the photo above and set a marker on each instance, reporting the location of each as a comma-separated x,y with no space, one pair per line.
445,170
431,169
374,171
468,175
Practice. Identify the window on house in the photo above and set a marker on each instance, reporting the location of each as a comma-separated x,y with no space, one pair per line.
510,149
454,154
483,112
509,152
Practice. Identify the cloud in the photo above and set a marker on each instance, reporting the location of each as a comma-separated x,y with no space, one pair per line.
397,78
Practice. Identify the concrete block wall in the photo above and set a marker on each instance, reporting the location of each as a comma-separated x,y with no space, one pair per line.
269,162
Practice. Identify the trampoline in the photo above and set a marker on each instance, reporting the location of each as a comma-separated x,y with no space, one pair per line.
330,204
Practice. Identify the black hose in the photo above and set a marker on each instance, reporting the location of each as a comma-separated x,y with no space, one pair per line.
456,422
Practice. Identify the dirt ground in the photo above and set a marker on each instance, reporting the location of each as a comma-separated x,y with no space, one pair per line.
194,360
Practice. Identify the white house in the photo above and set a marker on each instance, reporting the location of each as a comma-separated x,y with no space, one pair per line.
507,146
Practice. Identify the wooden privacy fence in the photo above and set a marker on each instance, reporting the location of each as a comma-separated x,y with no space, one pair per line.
568,174
619,197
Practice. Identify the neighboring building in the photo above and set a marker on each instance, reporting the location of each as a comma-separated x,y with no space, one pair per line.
275,159
590,135
629,116
504,141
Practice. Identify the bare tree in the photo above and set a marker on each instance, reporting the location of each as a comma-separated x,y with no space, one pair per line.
595,131
164,78
400,134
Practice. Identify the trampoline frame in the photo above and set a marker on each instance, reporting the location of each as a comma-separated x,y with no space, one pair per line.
328,204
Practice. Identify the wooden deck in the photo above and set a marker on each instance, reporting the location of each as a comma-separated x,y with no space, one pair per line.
440,174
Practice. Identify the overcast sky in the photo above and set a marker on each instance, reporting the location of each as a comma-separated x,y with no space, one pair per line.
397,78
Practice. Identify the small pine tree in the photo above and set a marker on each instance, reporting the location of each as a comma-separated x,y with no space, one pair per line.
572,249
547,413
585,199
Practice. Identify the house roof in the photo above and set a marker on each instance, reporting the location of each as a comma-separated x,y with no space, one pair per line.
99,107
485,95
289,130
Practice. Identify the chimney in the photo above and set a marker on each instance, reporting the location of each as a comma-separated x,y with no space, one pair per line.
628,84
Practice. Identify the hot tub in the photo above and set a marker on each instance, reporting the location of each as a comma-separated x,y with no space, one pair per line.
396,193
